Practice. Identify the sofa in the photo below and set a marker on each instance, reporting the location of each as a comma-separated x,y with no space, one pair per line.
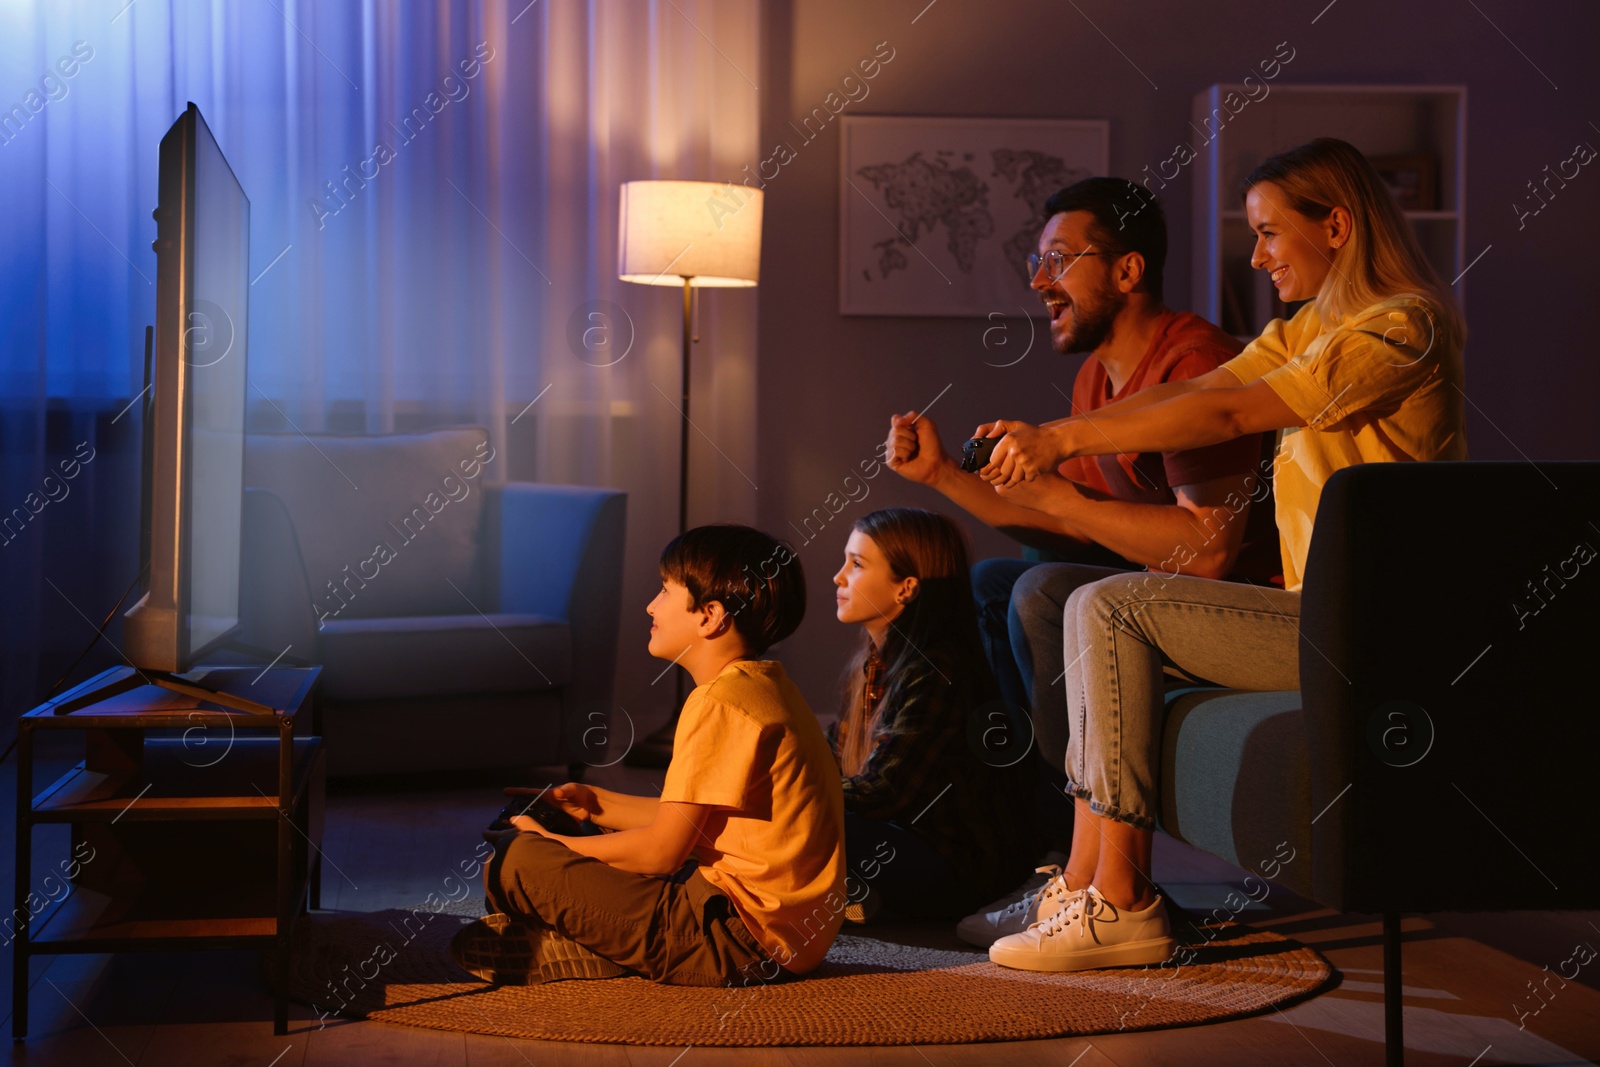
1439,754
461,622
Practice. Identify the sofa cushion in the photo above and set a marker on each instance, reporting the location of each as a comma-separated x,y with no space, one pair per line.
388,524
1236,780
413,656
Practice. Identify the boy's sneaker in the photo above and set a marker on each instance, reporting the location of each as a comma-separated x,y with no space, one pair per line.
1036,899
860,912
503,951
1089,933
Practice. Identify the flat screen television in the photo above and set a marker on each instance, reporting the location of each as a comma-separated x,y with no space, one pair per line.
195,411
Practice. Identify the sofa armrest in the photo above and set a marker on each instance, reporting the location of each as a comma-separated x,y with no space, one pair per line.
556,550
1445,639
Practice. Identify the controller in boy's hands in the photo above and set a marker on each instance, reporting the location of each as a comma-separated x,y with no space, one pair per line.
552,819
976,452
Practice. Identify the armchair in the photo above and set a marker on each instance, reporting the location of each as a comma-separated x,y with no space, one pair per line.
1440,732
460,625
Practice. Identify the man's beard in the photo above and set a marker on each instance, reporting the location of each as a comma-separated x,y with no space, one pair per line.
1092,323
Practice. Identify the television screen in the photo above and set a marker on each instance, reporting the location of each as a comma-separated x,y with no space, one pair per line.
214,351
194,423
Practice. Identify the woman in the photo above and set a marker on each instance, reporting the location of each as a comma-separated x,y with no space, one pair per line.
1369,370
937,789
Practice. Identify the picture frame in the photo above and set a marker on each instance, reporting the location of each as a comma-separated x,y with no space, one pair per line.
937,215
1412,178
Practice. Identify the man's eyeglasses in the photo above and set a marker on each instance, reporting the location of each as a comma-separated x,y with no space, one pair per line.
1055,262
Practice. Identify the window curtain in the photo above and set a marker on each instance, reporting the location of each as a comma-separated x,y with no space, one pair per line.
433,241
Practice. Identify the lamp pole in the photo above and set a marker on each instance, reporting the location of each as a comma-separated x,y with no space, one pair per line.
670,232
683,450
683,430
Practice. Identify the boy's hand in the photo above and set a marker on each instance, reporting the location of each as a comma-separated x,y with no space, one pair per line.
526,824
574,798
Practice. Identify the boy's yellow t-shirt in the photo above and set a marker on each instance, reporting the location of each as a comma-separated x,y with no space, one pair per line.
1383,386
748,745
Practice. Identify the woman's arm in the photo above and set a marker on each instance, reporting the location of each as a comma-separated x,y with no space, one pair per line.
1213,379
1192,419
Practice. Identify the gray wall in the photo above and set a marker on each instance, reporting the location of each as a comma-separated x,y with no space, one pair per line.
828,383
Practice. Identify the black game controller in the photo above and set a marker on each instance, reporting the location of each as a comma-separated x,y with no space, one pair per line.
553,819
976,452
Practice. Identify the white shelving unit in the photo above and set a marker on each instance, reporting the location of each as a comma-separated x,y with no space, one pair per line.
1381,120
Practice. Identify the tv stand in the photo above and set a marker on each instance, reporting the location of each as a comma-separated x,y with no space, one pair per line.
265,655
126,679
174,844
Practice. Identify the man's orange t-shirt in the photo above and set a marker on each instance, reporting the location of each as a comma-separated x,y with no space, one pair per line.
1184,346
748,746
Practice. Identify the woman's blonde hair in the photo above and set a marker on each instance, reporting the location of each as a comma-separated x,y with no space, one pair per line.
1382,258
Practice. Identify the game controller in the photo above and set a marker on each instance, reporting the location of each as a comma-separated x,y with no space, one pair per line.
551,818
976,452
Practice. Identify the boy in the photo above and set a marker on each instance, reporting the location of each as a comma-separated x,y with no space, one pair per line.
752,794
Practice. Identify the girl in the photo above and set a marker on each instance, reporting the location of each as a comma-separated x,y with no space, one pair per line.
937,781
1369,370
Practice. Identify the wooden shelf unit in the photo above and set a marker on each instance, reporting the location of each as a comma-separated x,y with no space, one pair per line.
152,866
91,921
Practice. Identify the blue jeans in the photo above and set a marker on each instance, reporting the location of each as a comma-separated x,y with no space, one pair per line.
1020,607
1125,633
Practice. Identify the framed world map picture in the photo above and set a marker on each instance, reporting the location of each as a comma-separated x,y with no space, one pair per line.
937,215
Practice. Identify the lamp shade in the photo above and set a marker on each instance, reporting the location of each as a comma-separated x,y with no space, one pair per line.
707,232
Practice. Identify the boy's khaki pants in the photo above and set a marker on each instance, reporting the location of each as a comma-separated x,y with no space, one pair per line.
678,934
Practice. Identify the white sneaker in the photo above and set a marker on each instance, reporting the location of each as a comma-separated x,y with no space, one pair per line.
1088,933
1053,861
1038,898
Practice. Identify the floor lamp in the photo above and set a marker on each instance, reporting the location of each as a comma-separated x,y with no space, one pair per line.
696,235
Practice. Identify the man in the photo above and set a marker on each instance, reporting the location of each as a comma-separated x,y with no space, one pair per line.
1099,272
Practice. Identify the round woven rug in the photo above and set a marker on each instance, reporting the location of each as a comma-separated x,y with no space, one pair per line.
395,966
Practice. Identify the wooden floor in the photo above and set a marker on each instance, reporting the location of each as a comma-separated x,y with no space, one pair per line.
1465,976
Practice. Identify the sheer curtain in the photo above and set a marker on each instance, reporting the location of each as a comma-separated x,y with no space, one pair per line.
433,240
